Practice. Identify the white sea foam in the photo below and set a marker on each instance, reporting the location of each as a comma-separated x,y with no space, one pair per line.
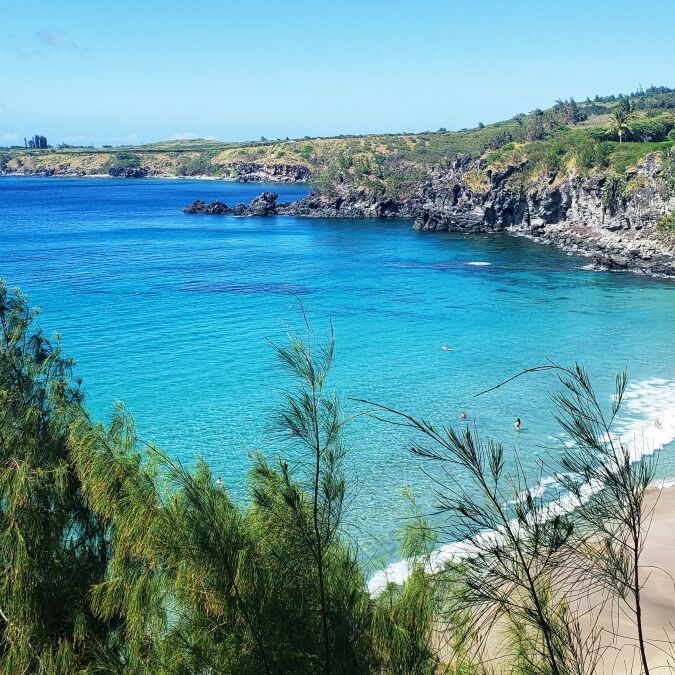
644,403
480,263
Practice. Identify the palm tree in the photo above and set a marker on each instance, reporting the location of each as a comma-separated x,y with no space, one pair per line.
619,122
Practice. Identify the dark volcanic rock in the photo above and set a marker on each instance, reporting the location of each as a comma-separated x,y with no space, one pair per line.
263,205
354,204
213,209
252,172
128,172
565,210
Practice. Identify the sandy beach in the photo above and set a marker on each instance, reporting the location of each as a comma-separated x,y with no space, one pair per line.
615,625
617,642
658,596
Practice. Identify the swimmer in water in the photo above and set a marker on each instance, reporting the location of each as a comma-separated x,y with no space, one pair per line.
219,482
518,424
445,348
462,415
657,423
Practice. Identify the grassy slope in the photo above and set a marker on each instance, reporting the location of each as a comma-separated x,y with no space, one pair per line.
392,163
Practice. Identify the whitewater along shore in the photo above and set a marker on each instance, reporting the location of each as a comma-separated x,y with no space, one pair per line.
592,216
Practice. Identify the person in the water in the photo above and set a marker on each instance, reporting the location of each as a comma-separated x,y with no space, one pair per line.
463,415
219,482
518,424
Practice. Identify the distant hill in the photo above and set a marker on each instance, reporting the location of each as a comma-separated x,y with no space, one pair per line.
568,135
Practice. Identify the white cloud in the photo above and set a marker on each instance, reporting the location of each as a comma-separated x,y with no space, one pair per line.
125,140
76,139
9,137
54,38
191,136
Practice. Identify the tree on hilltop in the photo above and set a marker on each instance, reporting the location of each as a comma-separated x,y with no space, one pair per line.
620,121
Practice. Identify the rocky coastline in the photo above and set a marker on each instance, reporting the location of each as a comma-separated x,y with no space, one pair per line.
568,211
240,172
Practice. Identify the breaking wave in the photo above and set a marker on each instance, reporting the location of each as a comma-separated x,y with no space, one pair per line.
645,426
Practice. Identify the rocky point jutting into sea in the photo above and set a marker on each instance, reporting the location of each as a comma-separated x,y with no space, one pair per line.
579,214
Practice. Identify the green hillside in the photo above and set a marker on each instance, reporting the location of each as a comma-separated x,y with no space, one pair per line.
568,135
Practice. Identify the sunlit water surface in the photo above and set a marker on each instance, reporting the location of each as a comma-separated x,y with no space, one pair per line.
172,314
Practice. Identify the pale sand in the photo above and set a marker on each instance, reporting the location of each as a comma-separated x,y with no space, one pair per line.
620,656
658,596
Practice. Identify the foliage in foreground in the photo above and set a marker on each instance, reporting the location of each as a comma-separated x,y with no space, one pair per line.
117,559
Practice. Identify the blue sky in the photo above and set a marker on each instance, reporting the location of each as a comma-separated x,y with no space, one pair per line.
126,72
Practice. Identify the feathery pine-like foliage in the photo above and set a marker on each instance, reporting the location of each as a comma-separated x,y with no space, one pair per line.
200,585
52,545
535,575
615,520
116,558
404,615
516,548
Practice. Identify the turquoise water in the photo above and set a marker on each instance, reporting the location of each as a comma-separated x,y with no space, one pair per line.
172,314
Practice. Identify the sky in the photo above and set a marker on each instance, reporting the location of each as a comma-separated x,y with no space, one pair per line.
126,72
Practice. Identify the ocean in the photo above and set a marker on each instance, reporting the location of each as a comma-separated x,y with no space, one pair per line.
174,314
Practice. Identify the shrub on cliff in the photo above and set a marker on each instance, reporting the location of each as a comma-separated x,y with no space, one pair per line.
654,129
122,161
591,154
202,165
668,171
666,223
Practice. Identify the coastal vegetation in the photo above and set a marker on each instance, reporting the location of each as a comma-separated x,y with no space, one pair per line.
122,161
608,134
117,558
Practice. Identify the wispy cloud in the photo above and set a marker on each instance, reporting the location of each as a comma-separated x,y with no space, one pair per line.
76,139
41,43
125,140
190,136
9,137
55,38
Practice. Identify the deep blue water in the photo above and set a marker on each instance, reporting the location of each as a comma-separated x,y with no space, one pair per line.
172,314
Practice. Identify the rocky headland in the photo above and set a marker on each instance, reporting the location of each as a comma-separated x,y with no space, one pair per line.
159,165
561,176
588,215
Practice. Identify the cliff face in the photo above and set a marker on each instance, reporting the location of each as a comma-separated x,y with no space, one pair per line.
614,224
589,215
265,173
153,165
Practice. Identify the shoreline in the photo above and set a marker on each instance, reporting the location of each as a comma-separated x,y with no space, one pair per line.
613,622
200,177
646,253
609,250
644,401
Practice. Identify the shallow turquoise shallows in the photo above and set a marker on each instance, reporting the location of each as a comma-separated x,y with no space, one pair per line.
172,314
